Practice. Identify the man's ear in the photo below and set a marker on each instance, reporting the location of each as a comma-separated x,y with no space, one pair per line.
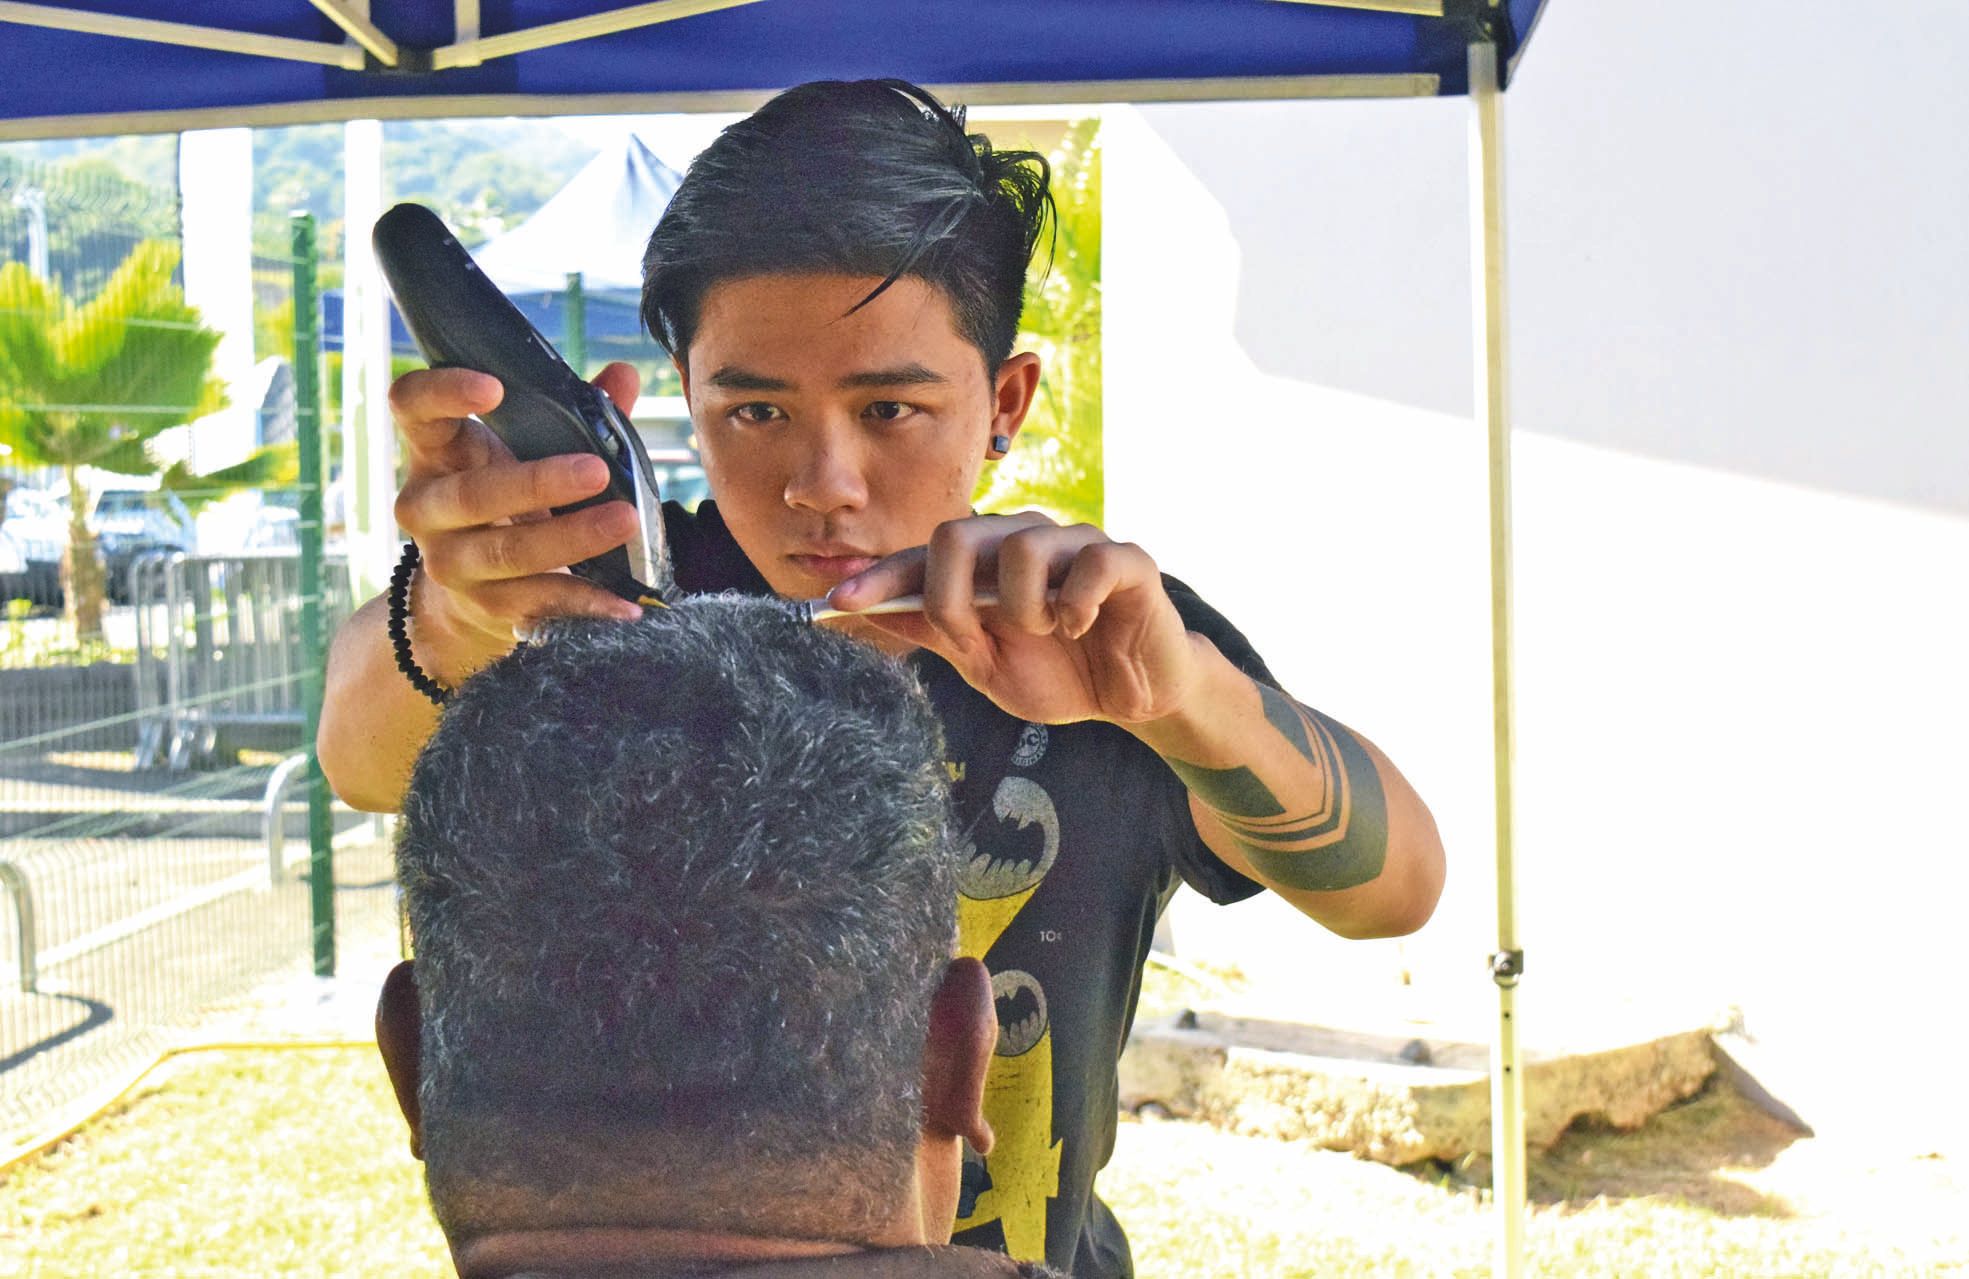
963,1032
1013,389
399,1037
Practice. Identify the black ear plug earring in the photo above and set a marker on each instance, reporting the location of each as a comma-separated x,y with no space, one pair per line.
1001,444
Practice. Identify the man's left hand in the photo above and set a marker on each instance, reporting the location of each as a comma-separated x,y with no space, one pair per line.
1109,645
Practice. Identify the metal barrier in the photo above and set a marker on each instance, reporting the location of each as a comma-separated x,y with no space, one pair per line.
274,821
20,889
147,896
146,821
21,893
220,653
144,812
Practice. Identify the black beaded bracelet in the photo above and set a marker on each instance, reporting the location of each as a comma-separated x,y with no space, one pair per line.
400,628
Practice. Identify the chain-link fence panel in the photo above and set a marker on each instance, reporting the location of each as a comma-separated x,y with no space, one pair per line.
161,646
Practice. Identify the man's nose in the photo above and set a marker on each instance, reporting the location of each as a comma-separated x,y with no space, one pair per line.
827,476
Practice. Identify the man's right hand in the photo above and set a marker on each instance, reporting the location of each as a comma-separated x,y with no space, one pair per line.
494,554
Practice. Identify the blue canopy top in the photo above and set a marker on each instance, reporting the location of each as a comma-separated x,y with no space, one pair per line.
122,66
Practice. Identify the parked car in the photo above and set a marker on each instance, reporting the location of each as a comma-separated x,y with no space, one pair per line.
276,527
34,526
13,569
679,477
133,522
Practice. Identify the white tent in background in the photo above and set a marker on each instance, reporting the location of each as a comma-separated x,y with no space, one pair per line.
596,225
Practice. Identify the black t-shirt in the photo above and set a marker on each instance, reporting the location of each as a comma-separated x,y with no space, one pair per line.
1077,836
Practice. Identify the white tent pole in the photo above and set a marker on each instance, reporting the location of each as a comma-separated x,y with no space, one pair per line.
465,28
1507,1092
353,17
368,479
215,184
1420,8
470,53
348,56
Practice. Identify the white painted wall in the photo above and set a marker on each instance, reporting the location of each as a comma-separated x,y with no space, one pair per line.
1740,302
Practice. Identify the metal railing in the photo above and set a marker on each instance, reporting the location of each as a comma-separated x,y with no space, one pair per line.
148,799
19,887
220,649
20,895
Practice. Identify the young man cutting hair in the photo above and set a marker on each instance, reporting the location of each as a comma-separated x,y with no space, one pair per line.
839,280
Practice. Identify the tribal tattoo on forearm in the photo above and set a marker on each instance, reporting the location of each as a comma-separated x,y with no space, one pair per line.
1340,842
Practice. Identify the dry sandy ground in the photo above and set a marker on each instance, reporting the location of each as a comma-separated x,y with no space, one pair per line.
1710,1187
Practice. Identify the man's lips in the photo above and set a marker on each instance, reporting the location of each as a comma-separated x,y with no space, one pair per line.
835,566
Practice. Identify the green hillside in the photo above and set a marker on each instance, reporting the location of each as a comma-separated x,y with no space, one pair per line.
480,175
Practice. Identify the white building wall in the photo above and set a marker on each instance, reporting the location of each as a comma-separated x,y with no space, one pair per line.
1740,301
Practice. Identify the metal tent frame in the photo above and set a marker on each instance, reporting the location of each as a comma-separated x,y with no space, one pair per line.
1490,34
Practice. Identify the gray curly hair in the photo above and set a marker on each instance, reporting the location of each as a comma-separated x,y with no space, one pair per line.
680,892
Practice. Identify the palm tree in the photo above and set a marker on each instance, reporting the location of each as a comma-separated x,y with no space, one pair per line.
1057,464
92,385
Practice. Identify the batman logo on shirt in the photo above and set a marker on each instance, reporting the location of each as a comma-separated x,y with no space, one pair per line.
1021,1012
1023,1170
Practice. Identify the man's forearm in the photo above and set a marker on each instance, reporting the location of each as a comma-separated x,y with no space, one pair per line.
1302,804
373,722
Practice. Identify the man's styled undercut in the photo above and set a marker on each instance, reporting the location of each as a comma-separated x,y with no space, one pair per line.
680,891
869,178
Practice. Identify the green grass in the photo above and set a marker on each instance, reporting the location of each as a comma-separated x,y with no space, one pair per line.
295,1163
263,1163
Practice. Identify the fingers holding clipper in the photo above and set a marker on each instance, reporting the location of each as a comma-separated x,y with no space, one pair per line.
433,409
463,559
524,604
621,383
497,492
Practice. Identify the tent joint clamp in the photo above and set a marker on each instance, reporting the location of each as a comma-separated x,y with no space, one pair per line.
1506,966
410,61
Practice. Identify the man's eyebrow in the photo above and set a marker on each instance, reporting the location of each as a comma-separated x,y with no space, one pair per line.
733,378
911,374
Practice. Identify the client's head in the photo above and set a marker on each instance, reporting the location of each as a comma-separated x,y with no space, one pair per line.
681,895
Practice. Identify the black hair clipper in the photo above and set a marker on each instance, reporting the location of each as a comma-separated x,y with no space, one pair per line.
460,319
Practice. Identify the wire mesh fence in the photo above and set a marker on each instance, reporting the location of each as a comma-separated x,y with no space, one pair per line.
165,841
154,852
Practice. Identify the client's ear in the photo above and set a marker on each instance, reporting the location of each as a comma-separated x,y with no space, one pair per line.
399,1037
963,1032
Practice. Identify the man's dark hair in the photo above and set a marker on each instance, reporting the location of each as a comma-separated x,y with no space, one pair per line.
871,178
680,891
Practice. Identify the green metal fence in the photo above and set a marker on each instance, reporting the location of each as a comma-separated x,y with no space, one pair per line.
166,840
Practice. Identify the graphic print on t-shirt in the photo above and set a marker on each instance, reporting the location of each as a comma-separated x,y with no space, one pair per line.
1023,1169
1032,746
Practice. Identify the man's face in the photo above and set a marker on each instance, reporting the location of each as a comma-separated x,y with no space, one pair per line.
830,439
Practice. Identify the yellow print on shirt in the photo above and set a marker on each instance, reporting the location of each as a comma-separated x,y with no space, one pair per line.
1024,1163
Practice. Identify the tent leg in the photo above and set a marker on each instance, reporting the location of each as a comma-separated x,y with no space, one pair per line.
1507,1093
368,476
